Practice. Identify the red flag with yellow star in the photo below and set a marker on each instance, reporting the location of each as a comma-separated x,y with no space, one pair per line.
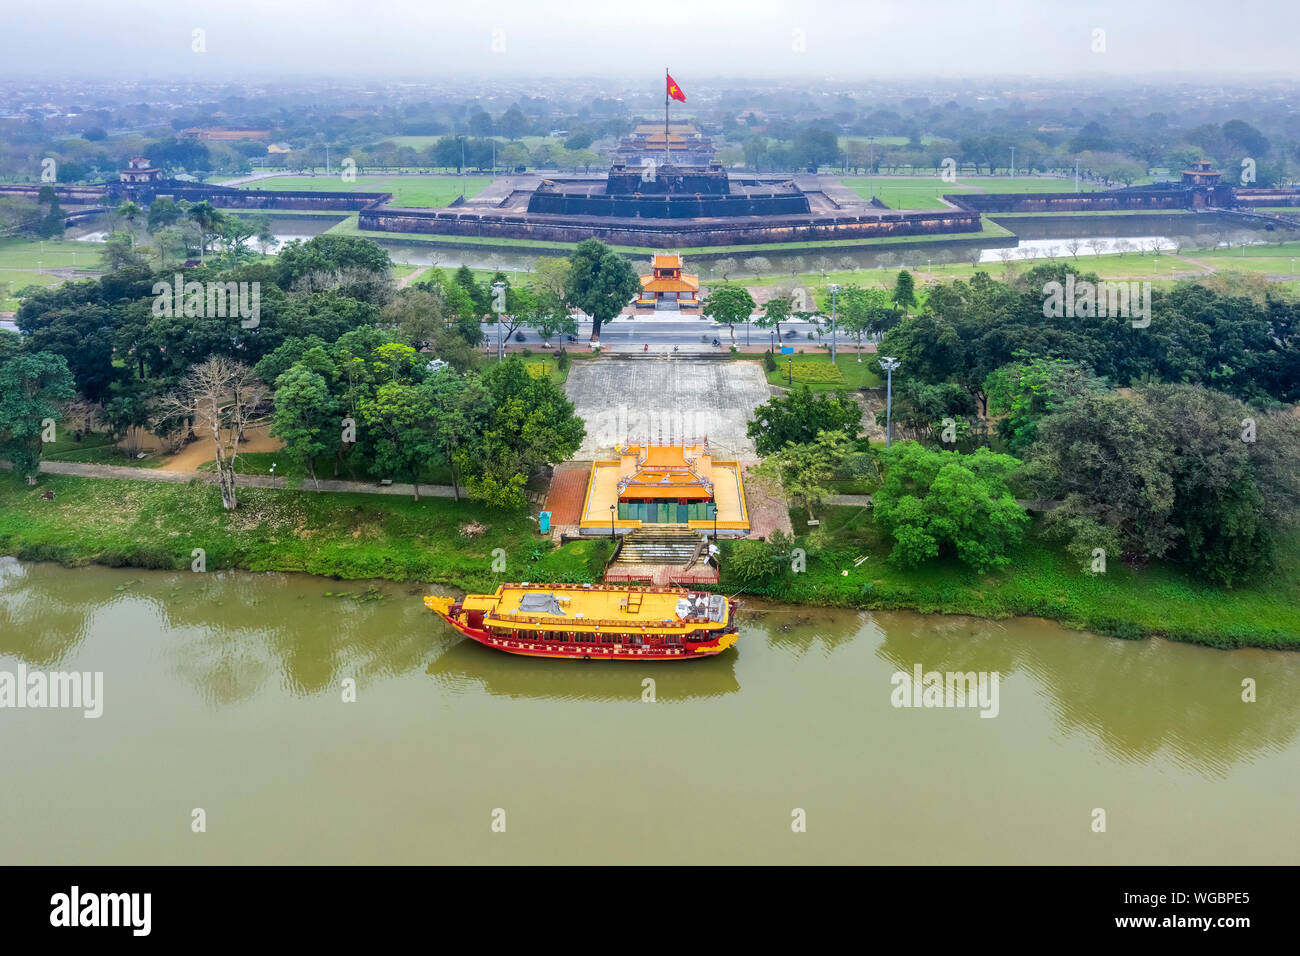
674,90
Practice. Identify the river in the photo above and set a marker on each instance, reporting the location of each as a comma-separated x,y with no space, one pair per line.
223,692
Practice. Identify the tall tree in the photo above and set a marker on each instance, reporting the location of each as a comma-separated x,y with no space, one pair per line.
601,283
33,384
728,304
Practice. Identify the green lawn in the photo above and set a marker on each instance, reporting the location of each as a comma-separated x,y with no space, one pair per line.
413,191
1042,581
157,525
923,192
49,254
260,463
814,370
12,281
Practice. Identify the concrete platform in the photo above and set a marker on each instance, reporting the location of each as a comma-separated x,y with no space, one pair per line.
668,400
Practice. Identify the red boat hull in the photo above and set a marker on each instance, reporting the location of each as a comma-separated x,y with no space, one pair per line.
587,651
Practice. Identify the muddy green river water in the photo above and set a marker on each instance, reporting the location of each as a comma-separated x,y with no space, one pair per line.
227,693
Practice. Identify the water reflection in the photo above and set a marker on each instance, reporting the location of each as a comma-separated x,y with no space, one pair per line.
1138,700
230,638
469,665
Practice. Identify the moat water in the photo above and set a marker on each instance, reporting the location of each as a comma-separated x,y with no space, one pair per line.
225,693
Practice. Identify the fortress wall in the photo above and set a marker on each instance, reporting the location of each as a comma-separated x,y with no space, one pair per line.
1268,197
275,198
1073,202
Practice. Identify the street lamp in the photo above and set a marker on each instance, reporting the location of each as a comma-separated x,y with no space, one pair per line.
714,506
889,363
611,524
498,305
834,292
789,372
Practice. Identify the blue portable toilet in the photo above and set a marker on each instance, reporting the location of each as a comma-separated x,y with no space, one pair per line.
544,522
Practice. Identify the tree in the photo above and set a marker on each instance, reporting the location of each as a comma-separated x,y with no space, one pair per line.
224,399
942,503
803,471
1109,459
305,412
33,385
401,420
1024,392
728,304
600,283
758,266
904,290
529,423
799,417
208,219
775,311
725,266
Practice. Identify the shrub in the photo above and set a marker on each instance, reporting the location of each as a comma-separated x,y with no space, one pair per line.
769,362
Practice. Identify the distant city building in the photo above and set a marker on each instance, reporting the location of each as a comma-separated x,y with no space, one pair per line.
220,134
667,286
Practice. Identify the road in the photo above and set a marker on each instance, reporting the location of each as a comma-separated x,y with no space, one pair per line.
628,331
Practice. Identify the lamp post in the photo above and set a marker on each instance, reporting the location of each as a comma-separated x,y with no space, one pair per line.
611,524
714,506
834,292
498,305
889,364
789,372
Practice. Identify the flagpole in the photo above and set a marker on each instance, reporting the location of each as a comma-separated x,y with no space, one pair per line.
667,156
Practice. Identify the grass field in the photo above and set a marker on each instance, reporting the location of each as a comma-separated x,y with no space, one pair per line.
14,280
49,254
408,191
812,370
353,536
1042,581
923,192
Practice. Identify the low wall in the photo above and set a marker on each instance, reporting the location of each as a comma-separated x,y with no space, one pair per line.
688,233
68,194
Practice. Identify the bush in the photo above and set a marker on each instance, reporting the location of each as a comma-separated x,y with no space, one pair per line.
752,563
769,362
816,373
562,360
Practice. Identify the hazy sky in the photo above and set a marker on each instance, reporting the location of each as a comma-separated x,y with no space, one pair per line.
618,38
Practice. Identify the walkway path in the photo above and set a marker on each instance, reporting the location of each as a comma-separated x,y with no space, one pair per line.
84,470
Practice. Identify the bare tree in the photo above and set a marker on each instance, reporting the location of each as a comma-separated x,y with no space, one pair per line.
224,399
1097,246
1073,246
724,267
795,265
758,266
821,264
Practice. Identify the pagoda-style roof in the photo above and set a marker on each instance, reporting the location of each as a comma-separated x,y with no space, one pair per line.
666,471
667,284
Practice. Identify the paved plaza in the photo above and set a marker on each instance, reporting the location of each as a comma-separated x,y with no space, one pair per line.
667,400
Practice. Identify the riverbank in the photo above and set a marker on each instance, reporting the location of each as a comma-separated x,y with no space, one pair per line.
124,523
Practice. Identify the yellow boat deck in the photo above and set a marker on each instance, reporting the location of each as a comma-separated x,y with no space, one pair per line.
580,608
